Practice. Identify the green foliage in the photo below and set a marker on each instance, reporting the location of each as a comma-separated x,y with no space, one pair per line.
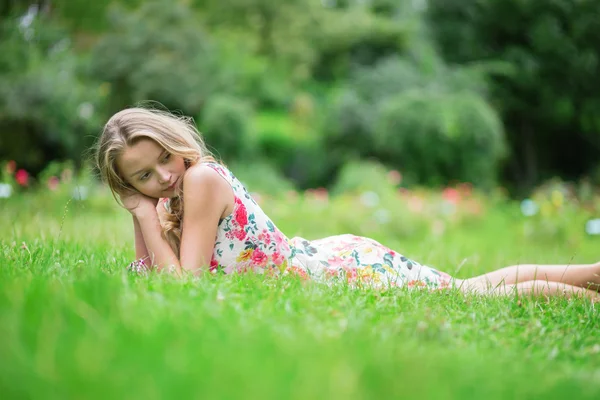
304,38
277,31
362,176
357,37
294,149
550,102
348,126
437,138
261,177
432,123
160,52
376,82
226,127
48,110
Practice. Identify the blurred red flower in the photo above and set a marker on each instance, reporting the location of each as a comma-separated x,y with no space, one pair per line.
53,183
22,177
451,195
394,177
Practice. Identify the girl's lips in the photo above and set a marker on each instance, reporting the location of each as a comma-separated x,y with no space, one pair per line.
173,185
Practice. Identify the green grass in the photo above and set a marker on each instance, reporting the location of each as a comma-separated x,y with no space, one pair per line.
74,324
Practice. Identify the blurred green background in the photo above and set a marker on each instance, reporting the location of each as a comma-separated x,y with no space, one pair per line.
496,92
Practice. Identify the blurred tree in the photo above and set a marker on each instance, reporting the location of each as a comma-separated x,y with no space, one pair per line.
550,102
47,109
82,16
226,127
158,51
279,32
14,8
356,36
306,37
431,121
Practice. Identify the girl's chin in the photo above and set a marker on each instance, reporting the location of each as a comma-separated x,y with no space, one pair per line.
171,193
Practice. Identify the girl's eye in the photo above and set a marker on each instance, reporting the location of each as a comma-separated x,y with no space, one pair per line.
166,157
144,176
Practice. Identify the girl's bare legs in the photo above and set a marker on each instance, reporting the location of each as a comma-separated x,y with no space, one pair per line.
585,276
534,288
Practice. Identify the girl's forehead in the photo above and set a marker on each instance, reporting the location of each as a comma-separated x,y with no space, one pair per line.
141,154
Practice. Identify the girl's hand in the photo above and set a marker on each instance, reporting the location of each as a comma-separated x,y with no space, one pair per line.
137,203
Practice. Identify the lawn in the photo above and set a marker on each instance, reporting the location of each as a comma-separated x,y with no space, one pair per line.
75,324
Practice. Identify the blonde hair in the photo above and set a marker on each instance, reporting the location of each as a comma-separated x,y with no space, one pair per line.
176,134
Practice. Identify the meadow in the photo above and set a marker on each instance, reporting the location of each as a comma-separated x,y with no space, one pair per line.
75,324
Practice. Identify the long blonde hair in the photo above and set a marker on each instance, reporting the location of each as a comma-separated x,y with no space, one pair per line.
176,134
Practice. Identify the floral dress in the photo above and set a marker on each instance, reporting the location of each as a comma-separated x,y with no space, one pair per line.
247,240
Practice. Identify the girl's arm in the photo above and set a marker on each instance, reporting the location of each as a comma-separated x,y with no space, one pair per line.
206,197
141,252
160,253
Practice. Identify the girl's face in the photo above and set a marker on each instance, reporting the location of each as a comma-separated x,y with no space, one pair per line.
151,169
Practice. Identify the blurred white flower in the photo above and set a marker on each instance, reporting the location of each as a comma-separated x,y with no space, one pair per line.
80,192
448,208
592,227
86,110
529,207
26,20
382,216
369,199
5,190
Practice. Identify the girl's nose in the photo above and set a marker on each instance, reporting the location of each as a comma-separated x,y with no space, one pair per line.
164,175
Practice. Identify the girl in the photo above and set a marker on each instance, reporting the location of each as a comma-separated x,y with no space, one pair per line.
148,157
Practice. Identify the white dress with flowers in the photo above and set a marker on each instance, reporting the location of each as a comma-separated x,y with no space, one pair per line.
247,240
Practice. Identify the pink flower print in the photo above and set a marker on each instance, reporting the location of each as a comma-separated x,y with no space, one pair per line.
240,234
415,282
22,177
241,216
278,258
259,258
351,274
299,272
335,261
264,237
214,264
279,238
332,273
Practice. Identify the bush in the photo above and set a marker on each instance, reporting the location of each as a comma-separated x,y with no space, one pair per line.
48,110
364,176
261,177
294,149
432,122
348,127
437,138
225,124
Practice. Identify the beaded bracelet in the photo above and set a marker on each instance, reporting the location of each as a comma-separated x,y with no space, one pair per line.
138,266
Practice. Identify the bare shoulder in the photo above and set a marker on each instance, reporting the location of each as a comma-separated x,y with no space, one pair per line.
203,185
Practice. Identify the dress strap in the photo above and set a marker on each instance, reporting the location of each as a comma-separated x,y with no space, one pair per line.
221,170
